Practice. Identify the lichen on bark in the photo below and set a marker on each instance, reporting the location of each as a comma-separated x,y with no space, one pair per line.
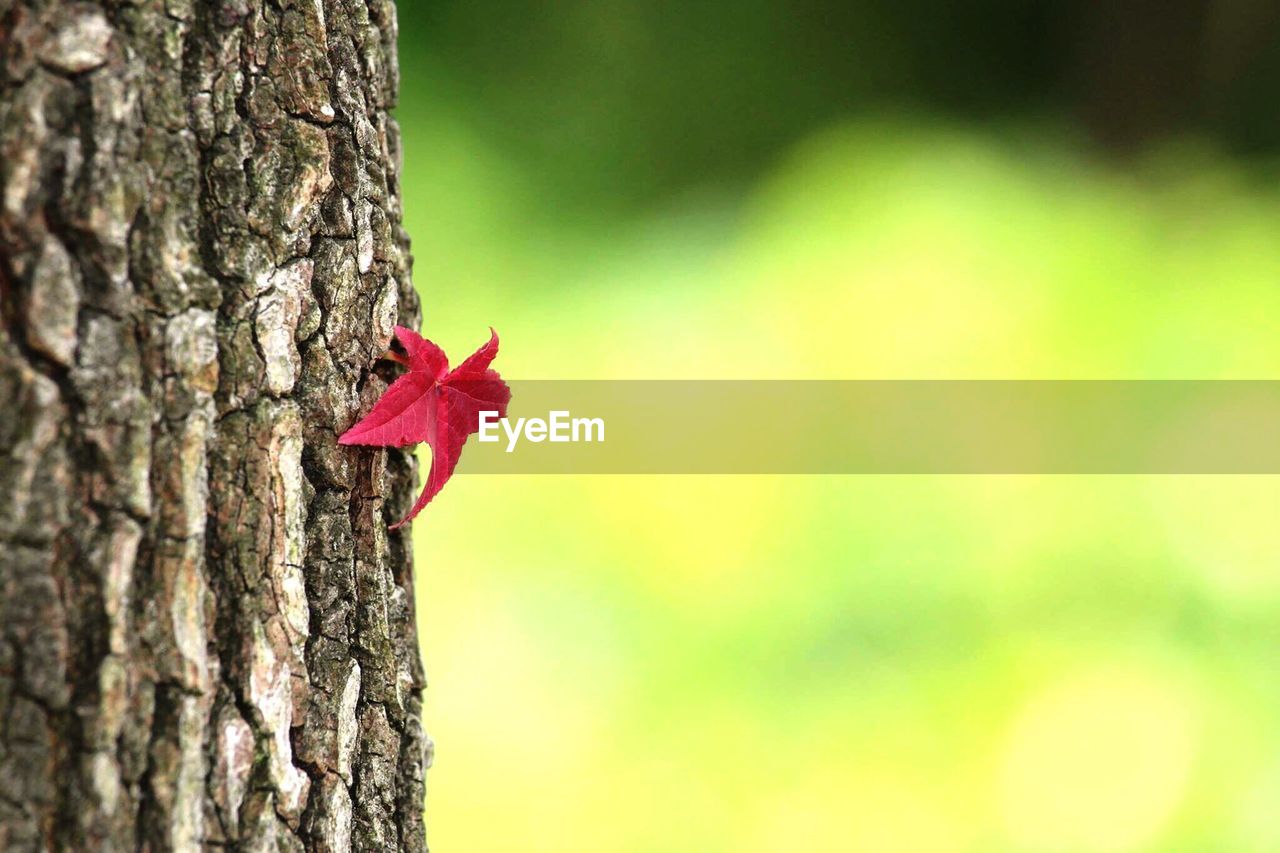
206,629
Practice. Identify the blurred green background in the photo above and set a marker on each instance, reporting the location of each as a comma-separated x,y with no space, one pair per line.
879,189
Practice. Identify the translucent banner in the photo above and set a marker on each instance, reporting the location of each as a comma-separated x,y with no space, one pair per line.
883,427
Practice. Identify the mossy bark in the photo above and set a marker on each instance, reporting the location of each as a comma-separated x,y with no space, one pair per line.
206,628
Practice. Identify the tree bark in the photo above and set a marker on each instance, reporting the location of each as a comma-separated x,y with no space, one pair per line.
206,628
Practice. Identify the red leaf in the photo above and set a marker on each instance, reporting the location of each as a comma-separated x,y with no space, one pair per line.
433,404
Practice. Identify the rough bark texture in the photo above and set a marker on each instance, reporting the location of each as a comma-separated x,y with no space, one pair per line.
206,630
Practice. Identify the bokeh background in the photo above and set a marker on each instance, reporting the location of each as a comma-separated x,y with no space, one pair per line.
871,189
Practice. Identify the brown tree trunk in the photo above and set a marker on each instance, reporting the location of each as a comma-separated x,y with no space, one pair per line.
206,629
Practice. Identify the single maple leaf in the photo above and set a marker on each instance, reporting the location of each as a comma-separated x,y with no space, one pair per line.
434,404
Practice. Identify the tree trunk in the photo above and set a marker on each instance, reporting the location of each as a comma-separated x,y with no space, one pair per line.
206,629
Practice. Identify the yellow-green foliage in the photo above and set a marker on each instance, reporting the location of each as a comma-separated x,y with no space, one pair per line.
833,664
